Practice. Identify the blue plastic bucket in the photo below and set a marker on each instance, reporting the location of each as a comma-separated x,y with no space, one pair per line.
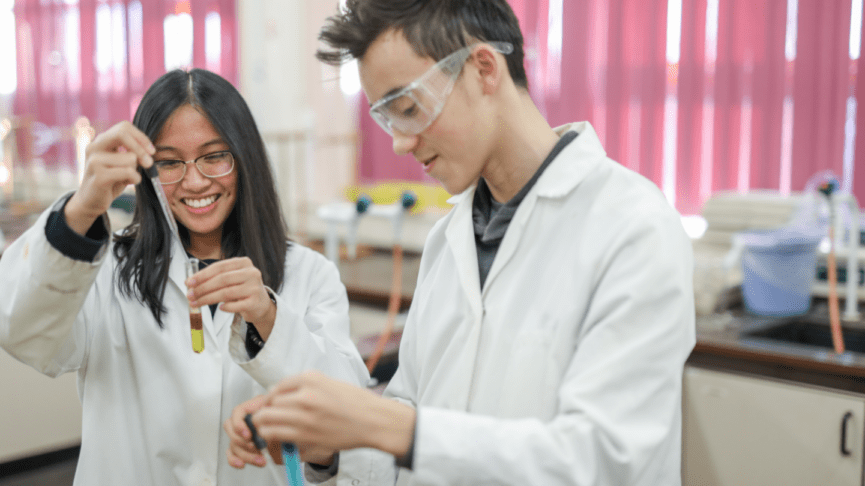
778,269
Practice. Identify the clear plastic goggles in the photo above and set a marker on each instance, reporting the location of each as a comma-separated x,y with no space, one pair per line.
412,109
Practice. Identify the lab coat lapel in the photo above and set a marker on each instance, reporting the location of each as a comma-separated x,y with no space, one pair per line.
177,267
512,238
559,179
461,240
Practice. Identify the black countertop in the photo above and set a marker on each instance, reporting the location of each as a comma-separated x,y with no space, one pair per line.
731,341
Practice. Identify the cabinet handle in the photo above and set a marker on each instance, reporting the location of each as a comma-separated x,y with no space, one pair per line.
844,450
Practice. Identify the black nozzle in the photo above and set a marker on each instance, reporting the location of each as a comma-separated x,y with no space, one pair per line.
363,203
828,187
408,199
260,443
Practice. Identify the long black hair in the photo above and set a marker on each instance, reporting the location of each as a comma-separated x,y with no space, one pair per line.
433,28
255,228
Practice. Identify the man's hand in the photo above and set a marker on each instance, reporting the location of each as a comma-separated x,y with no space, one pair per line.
320,414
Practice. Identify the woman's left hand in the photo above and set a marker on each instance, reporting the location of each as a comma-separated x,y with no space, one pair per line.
237,284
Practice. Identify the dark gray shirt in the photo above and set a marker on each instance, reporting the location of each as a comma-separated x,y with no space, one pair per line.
492,218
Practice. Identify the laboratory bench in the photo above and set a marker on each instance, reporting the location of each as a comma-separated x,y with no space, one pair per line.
767,401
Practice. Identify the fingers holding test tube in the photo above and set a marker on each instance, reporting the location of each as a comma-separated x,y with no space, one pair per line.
238,286
112,162
320,414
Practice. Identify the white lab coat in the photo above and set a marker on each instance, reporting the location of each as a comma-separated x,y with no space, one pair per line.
567,368
153,409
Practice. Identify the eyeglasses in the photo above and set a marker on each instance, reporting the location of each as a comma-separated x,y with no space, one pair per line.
412,109
216,164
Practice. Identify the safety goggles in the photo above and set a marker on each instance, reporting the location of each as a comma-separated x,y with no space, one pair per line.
412,109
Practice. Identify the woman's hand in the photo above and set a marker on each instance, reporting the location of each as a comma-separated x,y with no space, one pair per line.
241,450
112,164
320,414
238,285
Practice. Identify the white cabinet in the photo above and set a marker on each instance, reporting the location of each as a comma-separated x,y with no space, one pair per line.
741,430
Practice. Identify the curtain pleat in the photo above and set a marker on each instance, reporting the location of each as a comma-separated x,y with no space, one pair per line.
820,88
742,115
104,82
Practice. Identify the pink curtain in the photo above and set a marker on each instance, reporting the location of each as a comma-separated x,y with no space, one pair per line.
96,58
757,97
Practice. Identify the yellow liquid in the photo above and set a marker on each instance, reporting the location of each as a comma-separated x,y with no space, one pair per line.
197,329
197,340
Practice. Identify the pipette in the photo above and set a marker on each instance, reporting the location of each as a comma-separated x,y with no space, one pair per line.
289,456
195,323
153,174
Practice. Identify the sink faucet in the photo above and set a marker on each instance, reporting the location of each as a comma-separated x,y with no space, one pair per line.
851,298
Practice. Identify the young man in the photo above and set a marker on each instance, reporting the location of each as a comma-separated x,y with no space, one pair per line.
553,312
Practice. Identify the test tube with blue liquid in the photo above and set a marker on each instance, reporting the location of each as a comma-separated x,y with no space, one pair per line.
290,457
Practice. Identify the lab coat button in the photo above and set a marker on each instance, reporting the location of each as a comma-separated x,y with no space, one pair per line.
355,482
207,482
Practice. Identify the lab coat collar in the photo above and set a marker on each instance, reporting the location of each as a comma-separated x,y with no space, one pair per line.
570,167
559,179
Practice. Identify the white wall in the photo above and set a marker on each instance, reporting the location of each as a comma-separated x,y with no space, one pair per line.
37,414
288,90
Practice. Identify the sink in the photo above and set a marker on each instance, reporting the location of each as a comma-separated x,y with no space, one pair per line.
809,331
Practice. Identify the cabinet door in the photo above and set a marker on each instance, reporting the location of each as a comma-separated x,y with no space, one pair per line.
748,431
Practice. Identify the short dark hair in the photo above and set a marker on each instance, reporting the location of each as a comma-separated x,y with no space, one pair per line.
255,228
434,28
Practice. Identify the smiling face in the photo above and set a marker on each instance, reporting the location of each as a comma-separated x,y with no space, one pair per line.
456,146
201,204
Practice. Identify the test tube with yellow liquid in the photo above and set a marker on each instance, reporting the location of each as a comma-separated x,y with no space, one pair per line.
196,325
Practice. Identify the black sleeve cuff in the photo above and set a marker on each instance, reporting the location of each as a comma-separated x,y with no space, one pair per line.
330,470
70,243
253,341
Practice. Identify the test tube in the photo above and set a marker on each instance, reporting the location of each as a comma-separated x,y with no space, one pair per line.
289,454
293,467
196,325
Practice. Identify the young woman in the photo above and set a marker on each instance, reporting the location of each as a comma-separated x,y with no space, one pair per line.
117,312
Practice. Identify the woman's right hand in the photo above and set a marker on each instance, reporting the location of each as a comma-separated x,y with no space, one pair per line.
112,162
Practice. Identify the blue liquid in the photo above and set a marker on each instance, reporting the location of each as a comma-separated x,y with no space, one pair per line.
293,468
